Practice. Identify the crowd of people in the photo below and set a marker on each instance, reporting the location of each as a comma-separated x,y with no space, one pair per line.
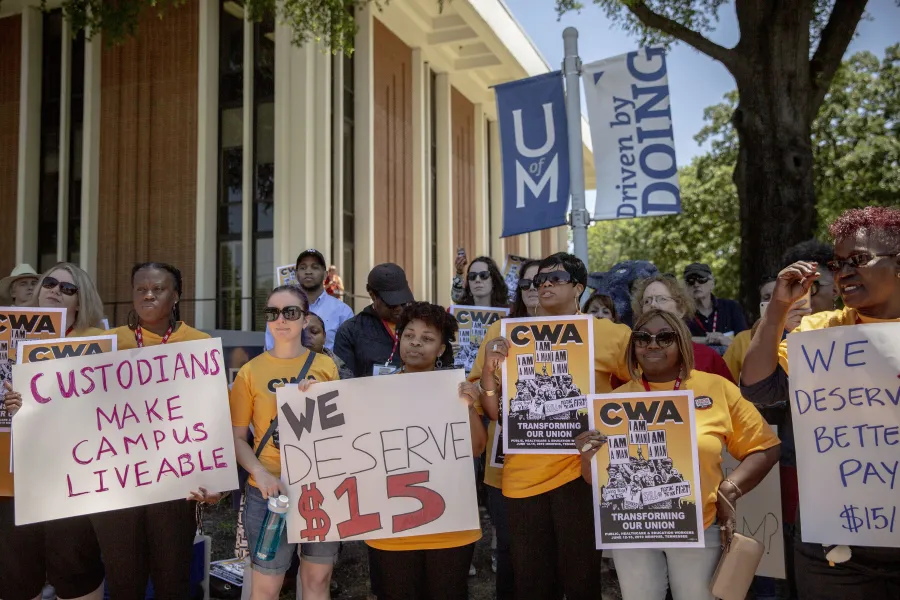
678,335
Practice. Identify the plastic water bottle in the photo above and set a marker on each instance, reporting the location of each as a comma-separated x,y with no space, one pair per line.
272,528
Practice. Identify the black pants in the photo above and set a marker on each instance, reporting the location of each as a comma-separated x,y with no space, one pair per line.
552,543
423,574
155,541
63,552
870,574
497,510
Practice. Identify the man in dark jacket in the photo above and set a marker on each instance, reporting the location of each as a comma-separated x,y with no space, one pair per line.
367,343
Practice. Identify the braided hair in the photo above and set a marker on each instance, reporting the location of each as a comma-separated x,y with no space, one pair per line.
437,317
176,279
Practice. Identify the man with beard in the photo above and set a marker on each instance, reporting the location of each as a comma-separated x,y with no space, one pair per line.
311,270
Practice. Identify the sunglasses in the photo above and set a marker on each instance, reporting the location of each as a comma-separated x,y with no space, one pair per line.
68,289
527,284
290,313
663,339
553,278
693,280
856,261
482,275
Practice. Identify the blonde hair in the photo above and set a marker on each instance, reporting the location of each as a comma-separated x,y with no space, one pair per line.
90,306
684,302
683,340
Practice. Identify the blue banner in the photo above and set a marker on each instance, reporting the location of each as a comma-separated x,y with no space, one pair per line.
534,148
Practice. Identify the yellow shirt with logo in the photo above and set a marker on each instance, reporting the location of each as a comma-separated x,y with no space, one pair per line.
252,397
526,475
737,351
729,422
127,340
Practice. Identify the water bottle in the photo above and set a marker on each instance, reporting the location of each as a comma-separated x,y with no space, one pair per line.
272,528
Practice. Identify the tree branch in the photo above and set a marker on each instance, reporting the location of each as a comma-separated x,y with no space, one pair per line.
835,39
677,30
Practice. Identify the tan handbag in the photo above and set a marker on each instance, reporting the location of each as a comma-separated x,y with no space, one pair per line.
737,567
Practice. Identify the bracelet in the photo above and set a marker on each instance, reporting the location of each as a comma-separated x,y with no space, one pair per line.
488,393
735,486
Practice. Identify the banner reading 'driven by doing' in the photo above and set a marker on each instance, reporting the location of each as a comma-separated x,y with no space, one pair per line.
628,106
380,457
534,149
108,431
845,396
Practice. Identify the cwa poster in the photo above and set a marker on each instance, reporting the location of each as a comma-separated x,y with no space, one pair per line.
511,268
646,478
473,324
546,379
286,275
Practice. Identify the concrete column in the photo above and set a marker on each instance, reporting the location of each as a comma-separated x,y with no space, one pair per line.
482,214
364,150
90,156
444,155
337,163
498,244
29,171
421,226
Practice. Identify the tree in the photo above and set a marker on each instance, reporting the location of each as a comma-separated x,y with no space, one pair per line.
782,80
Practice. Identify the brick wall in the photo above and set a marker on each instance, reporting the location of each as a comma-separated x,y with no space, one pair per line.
462,116
10,65
148,155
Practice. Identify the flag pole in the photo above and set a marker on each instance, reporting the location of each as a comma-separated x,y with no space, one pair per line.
579,219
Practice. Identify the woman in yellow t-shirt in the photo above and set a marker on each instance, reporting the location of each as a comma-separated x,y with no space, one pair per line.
549,508
252,402
63,552
660,358
435,566
866,269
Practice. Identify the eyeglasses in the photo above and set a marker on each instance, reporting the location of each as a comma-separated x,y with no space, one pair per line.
857,261
695,279
68,289
814,288
553,278
651,300
482,275
663,339
290,313
527,284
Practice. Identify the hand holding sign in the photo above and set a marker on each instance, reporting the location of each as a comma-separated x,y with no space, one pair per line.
12,400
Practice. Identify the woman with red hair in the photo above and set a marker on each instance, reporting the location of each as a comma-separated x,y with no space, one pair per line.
866,269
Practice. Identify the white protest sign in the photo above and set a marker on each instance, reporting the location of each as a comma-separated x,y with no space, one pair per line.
108,431
759,517
379,457
845,402
628,106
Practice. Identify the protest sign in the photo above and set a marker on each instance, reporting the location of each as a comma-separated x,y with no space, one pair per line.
18,325
379,457
511,268
109,431
38,350
473,324
546,376
286,275
642,500
845,403
759,517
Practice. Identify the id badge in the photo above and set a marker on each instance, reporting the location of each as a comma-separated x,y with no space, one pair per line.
385,369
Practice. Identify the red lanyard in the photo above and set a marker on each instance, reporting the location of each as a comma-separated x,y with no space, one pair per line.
715,322
70,330
647,384
139,336
393,337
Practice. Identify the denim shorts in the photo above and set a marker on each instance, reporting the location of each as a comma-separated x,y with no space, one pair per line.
322,553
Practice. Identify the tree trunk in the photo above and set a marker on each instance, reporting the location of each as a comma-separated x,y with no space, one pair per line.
774,171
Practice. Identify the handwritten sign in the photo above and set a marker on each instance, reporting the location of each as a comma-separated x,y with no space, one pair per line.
845,402
286,275
546,378
131,428
38,350
18,325
473,324
377,458
759,517
647,481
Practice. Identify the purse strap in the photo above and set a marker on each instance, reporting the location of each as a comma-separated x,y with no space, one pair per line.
310,358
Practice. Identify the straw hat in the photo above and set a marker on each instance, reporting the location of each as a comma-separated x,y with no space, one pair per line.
22,271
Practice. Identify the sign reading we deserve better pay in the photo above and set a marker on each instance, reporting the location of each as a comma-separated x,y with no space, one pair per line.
108,431
379,457
845,396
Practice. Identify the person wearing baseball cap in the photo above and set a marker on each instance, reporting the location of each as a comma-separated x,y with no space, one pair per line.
18,288
717,320
367,343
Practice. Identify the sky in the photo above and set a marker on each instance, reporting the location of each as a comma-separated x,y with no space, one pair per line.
695,80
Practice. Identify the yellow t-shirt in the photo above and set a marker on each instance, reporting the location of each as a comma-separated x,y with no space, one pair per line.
252,397
493,476
730,422
6,478
734,356
127,341
526,475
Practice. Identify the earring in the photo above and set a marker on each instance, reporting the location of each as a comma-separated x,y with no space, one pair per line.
438,364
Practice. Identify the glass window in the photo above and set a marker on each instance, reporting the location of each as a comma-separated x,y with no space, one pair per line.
76,137
348,253
264,281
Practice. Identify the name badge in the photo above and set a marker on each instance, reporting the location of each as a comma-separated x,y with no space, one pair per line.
384,370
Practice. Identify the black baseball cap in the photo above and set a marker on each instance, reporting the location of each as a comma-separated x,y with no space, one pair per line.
315,254
389,282
697,269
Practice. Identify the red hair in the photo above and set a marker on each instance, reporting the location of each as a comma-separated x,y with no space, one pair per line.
879,221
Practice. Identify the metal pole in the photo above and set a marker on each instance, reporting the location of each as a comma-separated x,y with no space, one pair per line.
579,219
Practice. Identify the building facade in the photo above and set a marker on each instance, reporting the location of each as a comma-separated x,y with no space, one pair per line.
213,143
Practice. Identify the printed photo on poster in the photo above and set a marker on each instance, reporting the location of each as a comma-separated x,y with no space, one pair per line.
547,376
286,275
18,325
646,478
511,273
473,324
